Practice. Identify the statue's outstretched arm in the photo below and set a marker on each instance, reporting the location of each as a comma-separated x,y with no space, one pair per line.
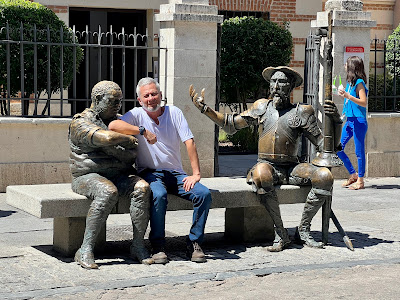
105,138
230,123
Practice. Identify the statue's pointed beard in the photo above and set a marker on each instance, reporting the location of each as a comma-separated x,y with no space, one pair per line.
279,99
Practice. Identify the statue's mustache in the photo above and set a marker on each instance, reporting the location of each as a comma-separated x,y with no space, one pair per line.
279,93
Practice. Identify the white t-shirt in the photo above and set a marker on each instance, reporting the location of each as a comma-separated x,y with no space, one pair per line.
165,153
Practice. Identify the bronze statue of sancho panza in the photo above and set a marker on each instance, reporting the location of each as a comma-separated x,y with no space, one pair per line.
101,163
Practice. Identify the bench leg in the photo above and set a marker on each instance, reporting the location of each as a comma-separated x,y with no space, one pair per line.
68,235
248,224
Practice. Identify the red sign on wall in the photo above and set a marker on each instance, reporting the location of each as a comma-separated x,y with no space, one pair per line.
353,51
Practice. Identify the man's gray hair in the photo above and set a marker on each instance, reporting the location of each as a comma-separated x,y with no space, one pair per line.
146,81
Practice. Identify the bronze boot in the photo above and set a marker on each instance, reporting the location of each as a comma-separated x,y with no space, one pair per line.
270,201
85,259
313,204
140,216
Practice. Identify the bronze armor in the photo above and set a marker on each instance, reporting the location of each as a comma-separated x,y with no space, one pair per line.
280,131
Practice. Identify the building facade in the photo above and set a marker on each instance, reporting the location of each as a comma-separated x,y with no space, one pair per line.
297,14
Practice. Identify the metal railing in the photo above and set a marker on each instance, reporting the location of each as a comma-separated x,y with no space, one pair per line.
384,79
107,55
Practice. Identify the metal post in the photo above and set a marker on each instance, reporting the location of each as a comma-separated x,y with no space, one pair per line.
87,58
74,72
111,55
8,71
35,66
61,70
24,107
123,66
99,77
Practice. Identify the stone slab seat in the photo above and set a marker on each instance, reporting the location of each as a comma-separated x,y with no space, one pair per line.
245,219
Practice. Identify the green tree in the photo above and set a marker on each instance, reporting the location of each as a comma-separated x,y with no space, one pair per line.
393,53
248,45
21,17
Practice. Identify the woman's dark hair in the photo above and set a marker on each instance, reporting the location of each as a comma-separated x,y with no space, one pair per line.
355,70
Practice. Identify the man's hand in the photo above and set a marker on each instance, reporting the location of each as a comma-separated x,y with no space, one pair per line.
198,101
190,181
332,111
150,137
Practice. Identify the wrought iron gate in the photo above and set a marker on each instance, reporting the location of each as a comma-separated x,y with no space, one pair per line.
108,55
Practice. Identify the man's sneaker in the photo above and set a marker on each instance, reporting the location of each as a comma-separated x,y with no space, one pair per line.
159,255
195,253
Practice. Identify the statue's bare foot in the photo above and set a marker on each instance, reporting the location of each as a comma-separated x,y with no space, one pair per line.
85,259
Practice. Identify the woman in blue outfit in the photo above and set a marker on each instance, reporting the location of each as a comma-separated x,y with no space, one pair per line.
354,109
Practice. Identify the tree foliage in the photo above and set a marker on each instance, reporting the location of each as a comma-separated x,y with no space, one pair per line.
248,45
17,13
393,52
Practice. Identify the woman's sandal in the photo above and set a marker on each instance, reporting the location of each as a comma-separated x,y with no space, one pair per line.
357,186
349,181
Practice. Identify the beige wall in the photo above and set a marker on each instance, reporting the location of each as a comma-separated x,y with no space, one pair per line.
382,150
33,151
383,12
308,7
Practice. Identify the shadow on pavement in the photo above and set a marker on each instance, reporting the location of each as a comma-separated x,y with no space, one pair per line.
384,187
6,213
359,240
117,252
215,246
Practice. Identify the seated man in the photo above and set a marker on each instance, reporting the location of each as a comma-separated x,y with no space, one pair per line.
282,124
101,163
160,131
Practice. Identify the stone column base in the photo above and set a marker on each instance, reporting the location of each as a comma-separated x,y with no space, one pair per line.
68,235
248,224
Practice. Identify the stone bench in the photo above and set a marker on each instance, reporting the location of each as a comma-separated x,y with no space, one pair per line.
245,219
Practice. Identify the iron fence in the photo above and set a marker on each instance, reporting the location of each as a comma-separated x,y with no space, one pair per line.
384,79
122,57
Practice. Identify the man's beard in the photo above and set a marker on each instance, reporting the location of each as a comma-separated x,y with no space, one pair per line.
151,109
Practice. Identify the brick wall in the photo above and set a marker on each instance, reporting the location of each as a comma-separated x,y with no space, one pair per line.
58,9
380,7
234,5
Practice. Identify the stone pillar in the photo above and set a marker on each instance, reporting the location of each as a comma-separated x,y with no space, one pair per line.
351,27
188,29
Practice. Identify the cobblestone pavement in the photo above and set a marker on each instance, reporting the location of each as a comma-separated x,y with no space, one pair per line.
29,269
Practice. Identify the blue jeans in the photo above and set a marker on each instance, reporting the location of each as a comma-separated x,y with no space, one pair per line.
164,182
356,127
